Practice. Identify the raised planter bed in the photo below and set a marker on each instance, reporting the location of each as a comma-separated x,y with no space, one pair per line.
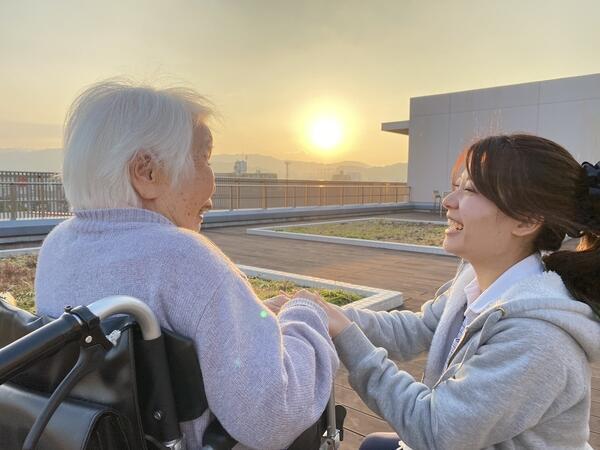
317,234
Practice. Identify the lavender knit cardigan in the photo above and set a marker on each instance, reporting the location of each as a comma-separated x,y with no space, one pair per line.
267,378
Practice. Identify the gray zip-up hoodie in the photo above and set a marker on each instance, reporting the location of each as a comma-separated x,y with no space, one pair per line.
520,378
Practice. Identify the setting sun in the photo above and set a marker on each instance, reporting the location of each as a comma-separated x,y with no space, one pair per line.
325,133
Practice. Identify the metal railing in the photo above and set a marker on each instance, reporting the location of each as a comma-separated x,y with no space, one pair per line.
22,176
32,200
301,194
46,199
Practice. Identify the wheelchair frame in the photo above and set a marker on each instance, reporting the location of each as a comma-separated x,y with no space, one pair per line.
82,324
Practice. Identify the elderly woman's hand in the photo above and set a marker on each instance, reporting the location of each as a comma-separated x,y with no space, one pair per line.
337,319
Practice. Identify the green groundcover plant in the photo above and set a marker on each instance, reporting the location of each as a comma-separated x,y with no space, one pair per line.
418,233
17,276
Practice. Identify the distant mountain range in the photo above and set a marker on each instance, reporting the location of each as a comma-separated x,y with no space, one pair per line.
303,170
49,160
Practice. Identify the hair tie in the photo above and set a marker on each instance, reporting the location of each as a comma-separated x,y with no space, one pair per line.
592,202
592,172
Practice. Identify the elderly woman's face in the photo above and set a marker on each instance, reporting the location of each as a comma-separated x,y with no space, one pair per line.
192,198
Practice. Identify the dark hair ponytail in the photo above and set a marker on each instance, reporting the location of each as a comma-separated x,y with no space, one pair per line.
580,269
531,178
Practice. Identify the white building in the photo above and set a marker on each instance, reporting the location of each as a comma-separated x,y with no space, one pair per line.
566,110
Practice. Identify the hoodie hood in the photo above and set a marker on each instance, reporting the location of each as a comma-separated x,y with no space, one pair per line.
545,297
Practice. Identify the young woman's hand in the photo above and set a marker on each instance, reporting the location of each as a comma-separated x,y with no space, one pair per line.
337,319
275,303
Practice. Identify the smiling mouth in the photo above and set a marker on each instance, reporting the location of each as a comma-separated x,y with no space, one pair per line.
454,226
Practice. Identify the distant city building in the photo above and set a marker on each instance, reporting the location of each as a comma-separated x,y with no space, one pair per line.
341,176
258,175
344,176
240,170
261,175
240,167
566,110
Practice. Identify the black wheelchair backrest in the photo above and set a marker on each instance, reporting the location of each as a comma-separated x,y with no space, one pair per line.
127,394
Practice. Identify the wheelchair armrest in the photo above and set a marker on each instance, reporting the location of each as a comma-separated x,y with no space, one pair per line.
216,438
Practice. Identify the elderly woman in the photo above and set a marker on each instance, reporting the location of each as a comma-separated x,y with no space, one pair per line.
137,176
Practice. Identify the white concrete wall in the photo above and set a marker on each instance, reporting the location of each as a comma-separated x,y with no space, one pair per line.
565,110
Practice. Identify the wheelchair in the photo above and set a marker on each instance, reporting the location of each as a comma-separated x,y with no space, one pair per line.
107,377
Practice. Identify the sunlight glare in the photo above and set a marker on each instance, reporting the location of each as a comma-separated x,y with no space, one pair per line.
326,133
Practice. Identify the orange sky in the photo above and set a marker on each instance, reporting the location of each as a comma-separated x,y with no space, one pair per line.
271,67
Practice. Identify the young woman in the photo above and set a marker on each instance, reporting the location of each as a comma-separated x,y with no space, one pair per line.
511,338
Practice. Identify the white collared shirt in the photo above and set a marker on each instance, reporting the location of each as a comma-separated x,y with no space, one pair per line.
478,301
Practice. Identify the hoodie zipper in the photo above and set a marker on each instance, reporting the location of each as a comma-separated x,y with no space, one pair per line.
467,334
461,343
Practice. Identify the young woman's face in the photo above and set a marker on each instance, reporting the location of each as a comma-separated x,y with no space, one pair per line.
477,230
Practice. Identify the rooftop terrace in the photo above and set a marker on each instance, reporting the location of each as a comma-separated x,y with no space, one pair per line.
417,275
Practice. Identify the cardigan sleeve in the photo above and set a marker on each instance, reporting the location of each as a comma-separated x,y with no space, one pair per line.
267,378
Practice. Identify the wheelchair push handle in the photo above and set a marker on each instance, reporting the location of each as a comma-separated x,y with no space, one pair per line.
20,354
123,304
83,324
23,352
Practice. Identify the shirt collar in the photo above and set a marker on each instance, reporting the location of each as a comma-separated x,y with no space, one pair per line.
478,301
472,291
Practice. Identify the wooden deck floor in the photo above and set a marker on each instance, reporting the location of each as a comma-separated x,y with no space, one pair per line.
416,275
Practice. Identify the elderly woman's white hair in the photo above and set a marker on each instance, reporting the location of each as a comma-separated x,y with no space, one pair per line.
109,123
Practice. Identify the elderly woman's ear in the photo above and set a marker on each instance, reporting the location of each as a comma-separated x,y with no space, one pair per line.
147,176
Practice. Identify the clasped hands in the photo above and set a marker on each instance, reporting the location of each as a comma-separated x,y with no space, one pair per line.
337,319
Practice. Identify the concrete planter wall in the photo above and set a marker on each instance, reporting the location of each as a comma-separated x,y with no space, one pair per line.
375,299
271,232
